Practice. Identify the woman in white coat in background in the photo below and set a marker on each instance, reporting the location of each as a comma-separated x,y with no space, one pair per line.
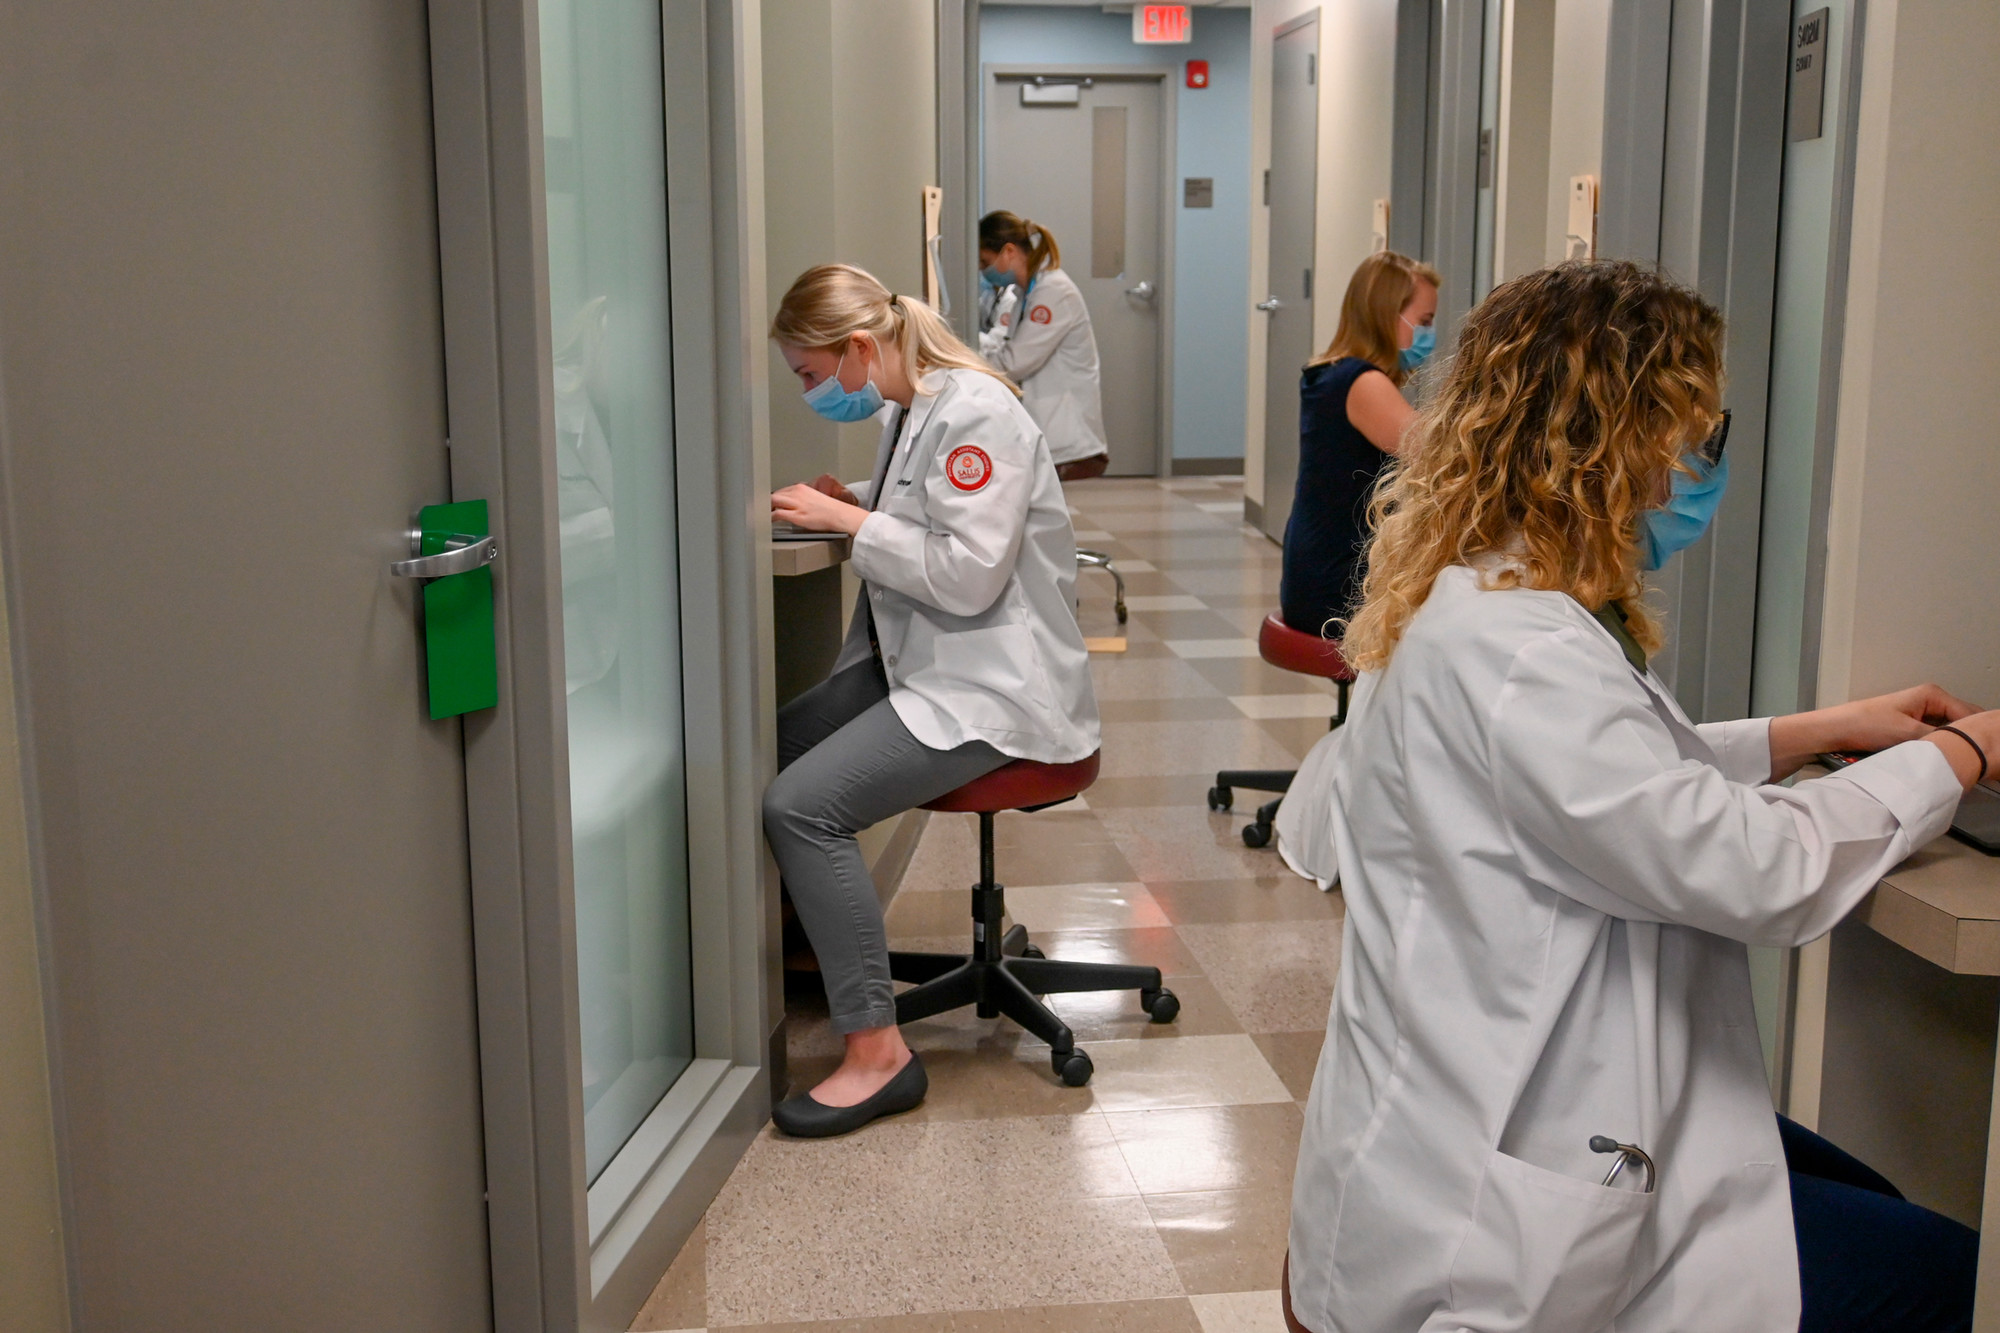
1044,342
1551,875
963,653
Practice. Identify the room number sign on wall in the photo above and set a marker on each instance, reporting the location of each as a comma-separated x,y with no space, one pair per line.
1808,100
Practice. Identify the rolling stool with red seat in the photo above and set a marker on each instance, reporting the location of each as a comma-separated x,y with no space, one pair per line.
1083,469
1004,974
1309,655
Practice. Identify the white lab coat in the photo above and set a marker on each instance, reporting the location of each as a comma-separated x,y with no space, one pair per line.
1550,877
971,581
1052,354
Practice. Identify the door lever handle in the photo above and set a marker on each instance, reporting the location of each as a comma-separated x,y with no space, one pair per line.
462,552
1144,291
1267,306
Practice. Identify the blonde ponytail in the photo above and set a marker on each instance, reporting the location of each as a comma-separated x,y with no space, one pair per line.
830,303
1000,228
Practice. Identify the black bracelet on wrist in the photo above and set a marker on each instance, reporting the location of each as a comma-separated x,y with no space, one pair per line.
1975,749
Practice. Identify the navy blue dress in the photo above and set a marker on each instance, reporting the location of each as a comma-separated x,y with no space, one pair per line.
1327,534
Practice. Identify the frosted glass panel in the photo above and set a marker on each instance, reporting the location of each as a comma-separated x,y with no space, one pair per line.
605,156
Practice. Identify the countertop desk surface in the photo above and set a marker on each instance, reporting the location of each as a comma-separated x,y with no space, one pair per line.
1943,904
791,558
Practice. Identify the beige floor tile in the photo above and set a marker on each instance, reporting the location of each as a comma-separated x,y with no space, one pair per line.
1225,1240
1157,602
1175,626
1298,734
1178,1151
877,1224
1214,647
1240,1312
1115,1015
1050,861
1072,824
1181,790
1149,946
1246,613
1153,748
992,1083
1277,976
1191,1072
917,1323
1315,704
1124,906
1172,549
1171,843
1294,1055
1249,674
1233,580
681,1299
946,858
1207,708
1170,1316
1275,897
1130,676
929,916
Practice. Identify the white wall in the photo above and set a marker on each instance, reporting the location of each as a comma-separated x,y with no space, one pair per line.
850,141
1576,108
1357,45
1913,567
1521,168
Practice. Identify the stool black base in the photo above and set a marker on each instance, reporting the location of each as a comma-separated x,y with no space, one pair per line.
1005,975
1257,833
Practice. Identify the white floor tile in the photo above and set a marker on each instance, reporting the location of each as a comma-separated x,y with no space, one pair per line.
1240,1312
1187,1071
1128,566
1220,506
1213,647
1179,601
1263,706
1094,535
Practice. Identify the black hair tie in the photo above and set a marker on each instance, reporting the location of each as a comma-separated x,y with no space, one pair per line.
1984,768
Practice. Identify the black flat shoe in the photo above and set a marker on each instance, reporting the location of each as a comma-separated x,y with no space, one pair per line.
803,1118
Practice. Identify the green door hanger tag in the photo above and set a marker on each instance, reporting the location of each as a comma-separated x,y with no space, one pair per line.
459,659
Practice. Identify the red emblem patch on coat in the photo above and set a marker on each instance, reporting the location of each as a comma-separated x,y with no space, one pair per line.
1040,314
968,467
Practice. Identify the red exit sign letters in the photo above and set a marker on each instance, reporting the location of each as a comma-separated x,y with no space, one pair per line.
1161,23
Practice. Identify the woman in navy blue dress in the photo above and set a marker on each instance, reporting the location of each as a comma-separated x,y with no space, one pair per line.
1352,416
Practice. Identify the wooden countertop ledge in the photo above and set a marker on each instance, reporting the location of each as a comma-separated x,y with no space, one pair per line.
1943,904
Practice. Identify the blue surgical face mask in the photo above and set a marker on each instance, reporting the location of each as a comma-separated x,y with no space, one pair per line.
835,403
1688,511
996,278
1423,341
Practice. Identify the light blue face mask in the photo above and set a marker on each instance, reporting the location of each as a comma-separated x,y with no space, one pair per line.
835,403
996,278
1423,341
1688,511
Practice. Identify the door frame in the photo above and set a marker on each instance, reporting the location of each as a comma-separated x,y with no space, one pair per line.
1260,517
1163,451
563,1256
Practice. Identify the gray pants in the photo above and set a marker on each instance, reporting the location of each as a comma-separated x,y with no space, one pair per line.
846,761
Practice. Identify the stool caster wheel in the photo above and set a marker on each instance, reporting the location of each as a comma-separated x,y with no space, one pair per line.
1072,1067
1162,1005
1220,798
1257,834
1121,613
1033,951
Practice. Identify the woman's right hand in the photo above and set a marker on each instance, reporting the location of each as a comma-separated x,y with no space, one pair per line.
828,484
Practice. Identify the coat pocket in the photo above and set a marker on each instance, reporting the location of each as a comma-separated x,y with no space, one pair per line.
995,677
1546,1252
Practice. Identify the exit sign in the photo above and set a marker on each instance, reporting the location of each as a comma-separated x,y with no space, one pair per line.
1161,23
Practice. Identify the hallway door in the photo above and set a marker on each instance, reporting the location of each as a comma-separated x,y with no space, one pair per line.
224,393
1090,172
1291,193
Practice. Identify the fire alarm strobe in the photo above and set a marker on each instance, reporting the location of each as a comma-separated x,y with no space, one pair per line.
1197,74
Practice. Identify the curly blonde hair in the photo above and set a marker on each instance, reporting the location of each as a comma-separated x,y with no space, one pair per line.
1573,394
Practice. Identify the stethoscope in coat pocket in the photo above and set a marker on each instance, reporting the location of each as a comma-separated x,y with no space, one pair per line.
1627,1153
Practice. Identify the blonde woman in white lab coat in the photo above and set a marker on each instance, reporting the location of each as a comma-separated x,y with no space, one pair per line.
1043,340
1551,875
963,653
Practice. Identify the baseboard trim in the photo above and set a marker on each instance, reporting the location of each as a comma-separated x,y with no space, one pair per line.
1253,512
1208,467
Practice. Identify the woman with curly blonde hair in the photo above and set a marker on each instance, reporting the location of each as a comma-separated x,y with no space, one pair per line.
1542,1103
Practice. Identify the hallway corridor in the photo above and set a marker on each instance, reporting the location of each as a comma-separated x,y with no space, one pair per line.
1155,1198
